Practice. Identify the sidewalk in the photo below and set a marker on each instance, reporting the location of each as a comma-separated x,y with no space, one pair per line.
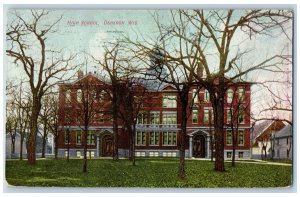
253,161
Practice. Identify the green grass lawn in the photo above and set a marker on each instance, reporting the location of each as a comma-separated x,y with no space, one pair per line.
157,173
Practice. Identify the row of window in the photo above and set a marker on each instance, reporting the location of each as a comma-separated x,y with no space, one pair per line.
167,118
240,137
169,99
90,154
240,155
155,154
79,133
230,94
171,117
95,95
169,138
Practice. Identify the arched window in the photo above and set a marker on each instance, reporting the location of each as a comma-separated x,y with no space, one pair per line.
79,95
229,95
68,96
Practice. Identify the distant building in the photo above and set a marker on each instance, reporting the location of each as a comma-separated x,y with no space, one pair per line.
9,147
158,123
262,142
283,143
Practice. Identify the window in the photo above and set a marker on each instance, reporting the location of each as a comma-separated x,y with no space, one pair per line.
241,154
78,153
169,118
68,96
140,138
101,96
142,118
229,137
229,116
228,154
91,137
206,116
154,138
229,95
241,115
206,96
241,92
91,154
79,96
241,137
154,118
95,95
169,101
195,95
78,137
195,116
211,115
99,118
66,153
67,136
169,138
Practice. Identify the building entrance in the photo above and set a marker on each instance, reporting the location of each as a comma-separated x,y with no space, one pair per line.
199,146
107,146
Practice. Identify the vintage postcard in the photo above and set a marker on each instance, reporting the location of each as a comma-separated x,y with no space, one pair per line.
181,98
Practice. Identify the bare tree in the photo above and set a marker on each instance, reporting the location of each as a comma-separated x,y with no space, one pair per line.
111,66
17,114
133,97
11,114
170,71
53,120
88,107
280,104
238,111
44,117
26,44
211,33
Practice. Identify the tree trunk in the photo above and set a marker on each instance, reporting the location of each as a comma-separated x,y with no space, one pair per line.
44,140
13,142
68,145
85,150
184,105
21,145
211,148
56,147
234,139
133,145
219,135
115,124
130,142
31,152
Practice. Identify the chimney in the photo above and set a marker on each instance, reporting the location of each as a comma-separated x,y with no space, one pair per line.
79,74
200,70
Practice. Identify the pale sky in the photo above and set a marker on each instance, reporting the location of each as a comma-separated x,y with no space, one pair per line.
87,30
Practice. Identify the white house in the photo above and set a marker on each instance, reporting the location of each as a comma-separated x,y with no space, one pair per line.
9,147
283,143
262,140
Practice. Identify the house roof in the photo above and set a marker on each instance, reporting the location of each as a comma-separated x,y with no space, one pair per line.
284,132
259,128
72,82
264,130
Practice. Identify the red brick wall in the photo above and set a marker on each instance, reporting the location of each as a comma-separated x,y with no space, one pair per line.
153,102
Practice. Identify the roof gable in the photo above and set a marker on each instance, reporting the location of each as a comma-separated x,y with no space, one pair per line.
273,127
168,87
